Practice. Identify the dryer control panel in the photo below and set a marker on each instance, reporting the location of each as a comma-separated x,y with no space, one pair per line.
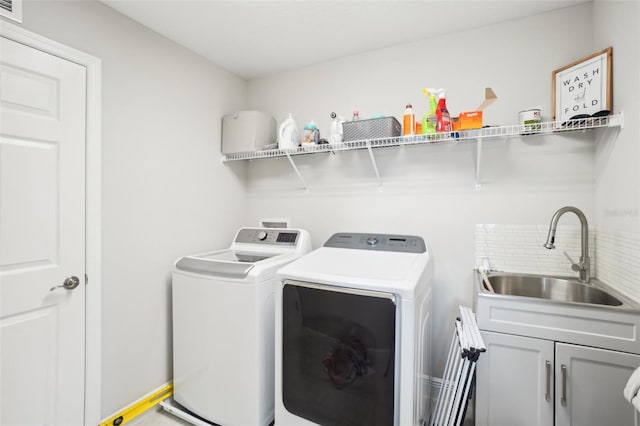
378,242
270,236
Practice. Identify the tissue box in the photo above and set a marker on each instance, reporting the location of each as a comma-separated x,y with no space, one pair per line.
470,120
375,128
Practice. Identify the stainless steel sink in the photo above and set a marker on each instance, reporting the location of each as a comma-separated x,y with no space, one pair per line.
551,288
557,308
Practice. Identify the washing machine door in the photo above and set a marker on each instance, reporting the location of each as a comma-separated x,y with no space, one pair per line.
338,354
223,263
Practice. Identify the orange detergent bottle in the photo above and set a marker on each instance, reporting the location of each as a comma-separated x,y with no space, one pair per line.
408,121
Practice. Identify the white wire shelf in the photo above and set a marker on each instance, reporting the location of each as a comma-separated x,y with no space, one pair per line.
478,135
550,127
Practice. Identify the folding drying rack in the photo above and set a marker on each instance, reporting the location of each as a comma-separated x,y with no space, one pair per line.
466,347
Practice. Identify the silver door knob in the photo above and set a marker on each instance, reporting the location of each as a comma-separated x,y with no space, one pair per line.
69,283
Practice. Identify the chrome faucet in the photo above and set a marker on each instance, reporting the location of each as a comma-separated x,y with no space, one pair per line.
583,265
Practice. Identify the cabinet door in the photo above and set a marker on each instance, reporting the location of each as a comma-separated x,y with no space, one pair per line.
589,384
514,382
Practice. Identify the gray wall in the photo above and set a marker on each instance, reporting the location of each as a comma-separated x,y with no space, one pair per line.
429,190
165,192
618,175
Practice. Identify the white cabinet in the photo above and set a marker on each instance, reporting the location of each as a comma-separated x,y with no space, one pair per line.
514,383
589,384
523,380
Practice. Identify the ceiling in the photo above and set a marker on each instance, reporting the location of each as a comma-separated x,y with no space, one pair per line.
256,38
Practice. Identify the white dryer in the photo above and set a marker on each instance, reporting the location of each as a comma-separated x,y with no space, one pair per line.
223,329
353,329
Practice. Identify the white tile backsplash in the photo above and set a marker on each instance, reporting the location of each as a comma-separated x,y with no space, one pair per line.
518,248
618,261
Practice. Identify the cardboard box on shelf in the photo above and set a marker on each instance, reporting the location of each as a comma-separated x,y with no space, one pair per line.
473,119
470,120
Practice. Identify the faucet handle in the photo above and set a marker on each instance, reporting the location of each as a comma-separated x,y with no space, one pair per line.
576,267
569,257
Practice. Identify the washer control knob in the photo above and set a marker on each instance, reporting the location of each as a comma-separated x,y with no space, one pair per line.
262,235
372,241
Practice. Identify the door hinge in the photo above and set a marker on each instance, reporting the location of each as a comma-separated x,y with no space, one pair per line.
86,279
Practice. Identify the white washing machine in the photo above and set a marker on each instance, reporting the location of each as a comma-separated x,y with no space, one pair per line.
223,329
353,330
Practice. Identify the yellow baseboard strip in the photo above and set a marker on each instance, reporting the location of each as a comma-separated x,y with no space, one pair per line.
139,407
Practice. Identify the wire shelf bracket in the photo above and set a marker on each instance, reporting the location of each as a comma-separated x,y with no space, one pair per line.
295,169
375,167
478,163
615,121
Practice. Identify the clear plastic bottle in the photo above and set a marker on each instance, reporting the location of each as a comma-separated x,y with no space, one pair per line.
356,115
311,134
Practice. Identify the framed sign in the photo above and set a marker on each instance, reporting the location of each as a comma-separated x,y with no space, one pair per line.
583,88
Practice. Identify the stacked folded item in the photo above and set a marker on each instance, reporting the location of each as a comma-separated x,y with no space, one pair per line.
632,390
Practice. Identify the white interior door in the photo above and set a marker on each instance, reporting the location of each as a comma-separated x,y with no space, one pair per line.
42,237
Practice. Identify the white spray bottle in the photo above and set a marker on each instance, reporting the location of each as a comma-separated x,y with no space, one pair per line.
336,134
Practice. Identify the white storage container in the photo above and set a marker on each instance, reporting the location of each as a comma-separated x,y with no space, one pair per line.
247,131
